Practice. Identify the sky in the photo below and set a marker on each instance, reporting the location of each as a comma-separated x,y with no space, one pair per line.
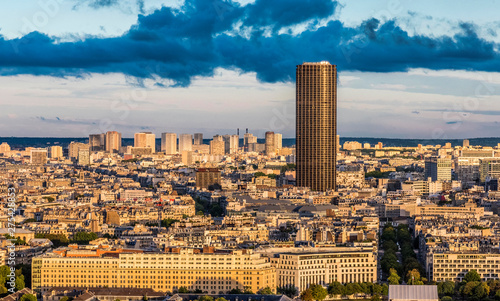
407,69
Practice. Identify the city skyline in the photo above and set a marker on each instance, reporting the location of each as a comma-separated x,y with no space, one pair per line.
452,93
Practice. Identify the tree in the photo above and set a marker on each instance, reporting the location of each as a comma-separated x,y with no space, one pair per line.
375,298
376,289
65,298
318,292
235,291
306,295
265,291
447,298
247,290
393,277
3,289
472,275
482,290
289,291
220,299
413,277
497,295
28,297
385,289
183,290
335,288
259,174
446,288
205,298
469,288
20,282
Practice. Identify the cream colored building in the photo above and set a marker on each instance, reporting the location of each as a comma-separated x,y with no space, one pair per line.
340,264
145,139
209,270
453,267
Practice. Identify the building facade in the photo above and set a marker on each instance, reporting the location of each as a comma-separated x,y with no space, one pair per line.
344,265
208,270
169,143
316,125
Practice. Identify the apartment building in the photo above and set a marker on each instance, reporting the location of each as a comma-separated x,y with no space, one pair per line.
345,265
212,271
454,266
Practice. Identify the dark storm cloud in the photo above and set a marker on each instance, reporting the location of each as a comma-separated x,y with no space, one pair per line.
179,44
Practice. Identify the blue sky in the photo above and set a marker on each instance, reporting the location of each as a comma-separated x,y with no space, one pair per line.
415,69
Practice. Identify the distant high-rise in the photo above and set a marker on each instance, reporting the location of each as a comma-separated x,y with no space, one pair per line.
97,142
38,156
56,152
198,139
278,141
249,138
113,142
438,169
169,143
74,148
270,147
145,139
316,125
185,142
84,157
466,143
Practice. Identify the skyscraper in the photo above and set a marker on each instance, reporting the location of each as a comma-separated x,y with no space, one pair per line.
97,142
270,147
438,169
185,142
316,125
145,139
38,156
113,141
278,141
198,139
169,143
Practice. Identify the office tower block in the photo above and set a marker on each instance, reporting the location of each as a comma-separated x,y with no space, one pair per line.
169,143
97,142
38,156
74,148
466,143
185,142
145,139
249,138
438,169
316,125
231,143
278,142
217,147
56,152
270,148
83,157
198,139
113,142
234,144
489,169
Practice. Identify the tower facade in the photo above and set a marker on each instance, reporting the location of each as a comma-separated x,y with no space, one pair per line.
169,143
316,125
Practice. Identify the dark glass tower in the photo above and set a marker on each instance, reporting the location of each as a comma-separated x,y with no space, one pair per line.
316,126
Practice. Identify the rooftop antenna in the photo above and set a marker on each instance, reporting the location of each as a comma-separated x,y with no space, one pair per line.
238,131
